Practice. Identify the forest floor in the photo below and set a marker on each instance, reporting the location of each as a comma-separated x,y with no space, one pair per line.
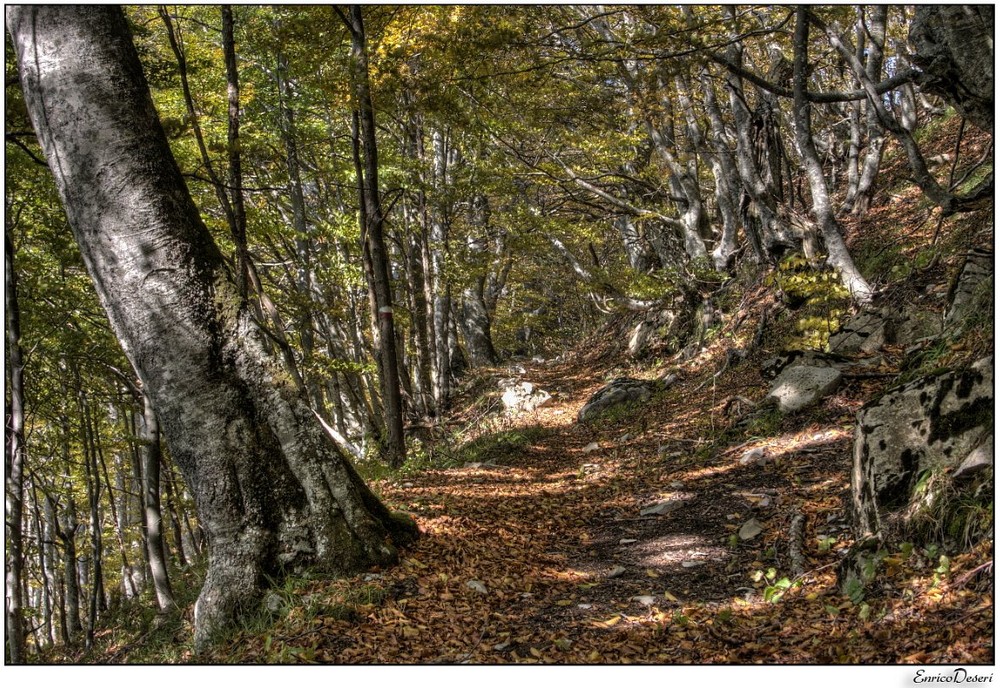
538,551
535,548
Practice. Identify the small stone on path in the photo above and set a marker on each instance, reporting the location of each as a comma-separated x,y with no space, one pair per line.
661,508
751,529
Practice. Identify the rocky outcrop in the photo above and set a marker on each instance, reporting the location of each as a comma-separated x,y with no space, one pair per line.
968,294
953,46
933,424
865,333
621,392
521,397
664,330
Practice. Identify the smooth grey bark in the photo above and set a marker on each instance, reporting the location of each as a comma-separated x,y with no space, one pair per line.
838,255
149,428
475,319
759,204
14,464
440,301
476,325
873,28
47,561
423,370
66,530
273,493
725,174
940,195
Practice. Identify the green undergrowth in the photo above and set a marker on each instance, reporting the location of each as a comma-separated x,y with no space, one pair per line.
817,301
495,447
134,632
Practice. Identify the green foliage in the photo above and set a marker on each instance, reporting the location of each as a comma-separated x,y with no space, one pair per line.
498,447
818,297
774,587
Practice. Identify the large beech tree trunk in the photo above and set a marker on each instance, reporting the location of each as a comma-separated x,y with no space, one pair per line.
272,491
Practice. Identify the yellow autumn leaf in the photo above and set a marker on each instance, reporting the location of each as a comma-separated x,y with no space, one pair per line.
668,597
564,603
535,652
652,574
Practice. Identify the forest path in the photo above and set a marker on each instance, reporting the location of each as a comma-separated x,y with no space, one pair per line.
547,558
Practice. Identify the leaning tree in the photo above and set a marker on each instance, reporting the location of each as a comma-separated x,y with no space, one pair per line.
272,490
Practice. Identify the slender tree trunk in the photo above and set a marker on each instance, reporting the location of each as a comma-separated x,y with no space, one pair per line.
46,562
418,306
441,285
173,510
153,518
239,213
71,570
475,316
14,463
726,177
875,28
372,225
273,492
838,256
305,279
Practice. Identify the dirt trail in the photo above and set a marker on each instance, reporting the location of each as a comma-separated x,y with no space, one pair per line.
547,558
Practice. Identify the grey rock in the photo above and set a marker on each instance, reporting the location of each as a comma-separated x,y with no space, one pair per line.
520,397
616,572
618,393
865,333
755,455
916,325
978,460
775,365
661,508
933,423
977,270
751,529
800,386
478,586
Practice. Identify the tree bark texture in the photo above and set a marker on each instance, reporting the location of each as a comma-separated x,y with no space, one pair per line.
373,220
152,513
838,256
272,492
14,463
